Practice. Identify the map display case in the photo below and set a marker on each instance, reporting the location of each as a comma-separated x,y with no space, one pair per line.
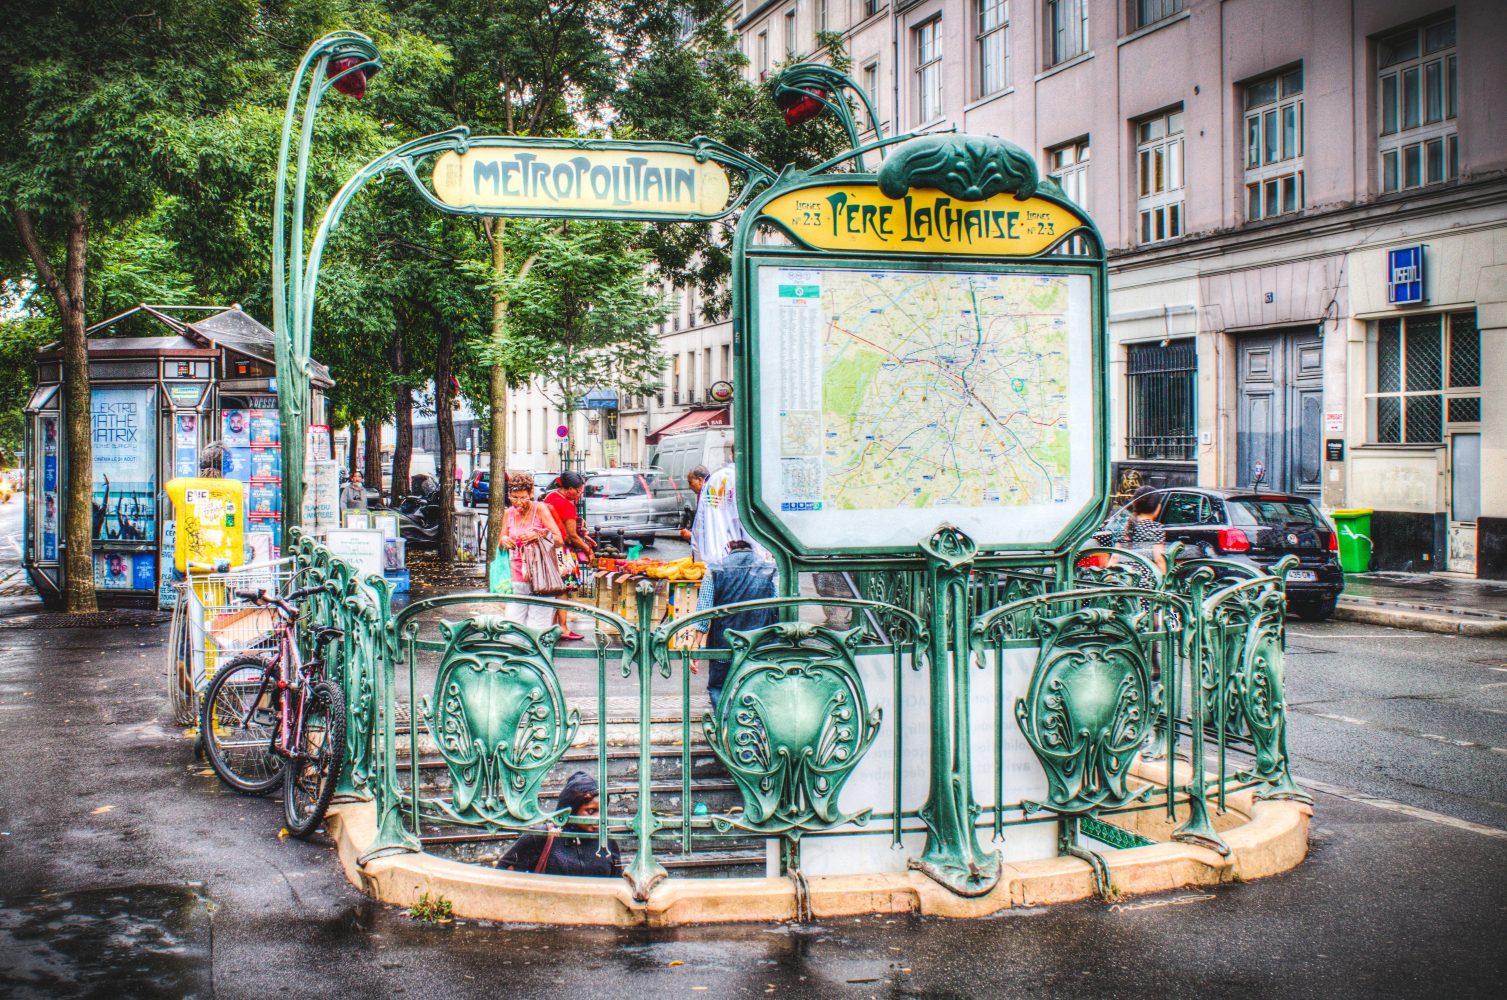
924,346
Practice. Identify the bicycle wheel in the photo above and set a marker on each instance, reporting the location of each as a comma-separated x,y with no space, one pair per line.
239,716
309,781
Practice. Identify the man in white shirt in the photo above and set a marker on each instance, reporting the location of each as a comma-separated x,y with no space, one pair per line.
717,522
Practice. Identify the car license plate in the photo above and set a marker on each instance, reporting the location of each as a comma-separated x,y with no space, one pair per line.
1301,576
618,517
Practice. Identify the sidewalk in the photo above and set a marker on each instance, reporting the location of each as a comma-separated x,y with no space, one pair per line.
1426,602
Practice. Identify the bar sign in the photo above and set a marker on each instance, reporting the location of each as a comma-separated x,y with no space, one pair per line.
1405,276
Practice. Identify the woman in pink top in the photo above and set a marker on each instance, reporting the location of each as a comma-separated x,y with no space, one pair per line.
527,520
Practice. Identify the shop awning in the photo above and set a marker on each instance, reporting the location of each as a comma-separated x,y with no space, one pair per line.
599,399
692,420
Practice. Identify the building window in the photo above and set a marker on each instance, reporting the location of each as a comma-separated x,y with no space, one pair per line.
1159,166
675,381
1161,379
929,70
690,376
727,364
1068,165
1416,93
1274,145
1425,372
872,7
993,40
763,50
790,48
1067,30
823,19
871,87
1152,11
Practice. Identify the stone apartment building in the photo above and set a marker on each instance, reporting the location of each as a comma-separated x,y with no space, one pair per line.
1305,205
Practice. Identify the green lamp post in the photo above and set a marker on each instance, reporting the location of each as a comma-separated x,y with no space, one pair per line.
345,60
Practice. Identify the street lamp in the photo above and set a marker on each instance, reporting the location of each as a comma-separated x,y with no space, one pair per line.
345,60
805,90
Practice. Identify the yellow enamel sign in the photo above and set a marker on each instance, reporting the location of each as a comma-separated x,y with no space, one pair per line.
210,515
612,181
859,218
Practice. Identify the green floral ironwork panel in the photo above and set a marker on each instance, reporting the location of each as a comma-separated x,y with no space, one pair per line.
1087,709
499,718
792,724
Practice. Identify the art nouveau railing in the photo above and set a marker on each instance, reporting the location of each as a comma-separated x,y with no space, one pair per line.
458,718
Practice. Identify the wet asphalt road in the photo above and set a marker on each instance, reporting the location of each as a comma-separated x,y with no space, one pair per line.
129,872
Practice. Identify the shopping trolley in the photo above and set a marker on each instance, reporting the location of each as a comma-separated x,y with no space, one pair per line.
211,625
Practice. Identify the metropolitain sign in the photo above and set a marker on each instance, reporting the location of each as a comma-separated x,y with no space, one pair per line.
616,182
859,218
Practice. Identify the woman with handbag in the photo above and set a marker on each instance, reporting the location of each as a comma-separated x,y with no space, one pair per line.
574,850
531,538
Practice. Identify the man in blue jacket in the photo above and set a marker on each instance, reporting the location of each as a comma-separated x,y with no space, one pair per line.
741,575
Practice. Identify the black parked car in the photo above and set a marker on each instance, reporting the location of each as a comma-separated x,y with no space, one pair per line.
1258,527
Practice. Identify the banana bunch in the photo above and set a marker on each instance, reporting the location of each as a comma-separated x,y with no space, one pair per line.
683,569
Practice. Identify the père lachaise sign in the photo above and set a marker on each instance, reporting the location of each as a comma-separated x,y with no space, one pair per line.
622,182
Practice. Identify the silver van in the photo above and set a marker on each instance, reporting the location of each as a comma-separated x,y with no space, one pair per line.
635,502
678,454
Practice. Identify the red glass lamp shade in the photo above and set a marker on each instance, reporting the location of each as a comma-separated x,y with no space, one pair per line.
352,84
802,109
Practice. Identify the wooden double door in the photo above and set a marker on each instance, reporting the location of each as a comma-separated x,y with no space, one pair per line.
1279,419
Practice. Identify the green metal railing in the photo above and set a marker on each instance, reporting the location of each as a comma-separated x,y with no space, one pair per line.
460,719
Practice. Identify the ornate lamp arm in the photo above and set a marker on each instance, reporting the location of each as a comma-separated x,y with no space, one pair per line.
802,91
346,60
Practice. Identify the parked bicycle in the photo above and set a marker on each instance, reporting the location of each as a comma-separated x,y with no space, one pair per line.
276,718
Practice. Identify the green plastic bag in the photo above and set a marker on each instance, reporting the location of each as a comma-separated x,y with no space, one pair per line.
500,573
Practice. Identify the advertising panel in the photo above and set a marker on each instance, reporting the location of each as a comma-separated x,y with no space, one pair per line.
49,488
124,440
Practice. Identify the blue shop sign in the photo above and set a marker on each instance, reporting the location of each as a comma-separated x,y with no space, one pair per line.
1405,276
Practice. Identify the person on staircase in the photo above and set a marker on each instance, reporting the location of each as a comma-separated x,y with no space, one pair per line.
576,849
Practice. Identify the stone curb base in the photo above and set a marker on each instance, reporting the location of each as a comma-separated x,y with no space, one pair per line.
1419,621
1265,838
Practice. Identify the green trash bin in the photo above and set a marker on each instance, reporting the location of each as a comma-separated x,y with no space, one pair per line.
1354,528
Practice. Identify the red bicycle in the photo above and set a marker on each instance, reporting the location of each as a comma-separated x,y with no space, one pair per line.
277,718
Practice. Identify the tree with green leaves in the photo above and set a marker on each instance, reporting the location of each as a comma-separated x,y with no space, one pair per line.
582,314
90,86
536,68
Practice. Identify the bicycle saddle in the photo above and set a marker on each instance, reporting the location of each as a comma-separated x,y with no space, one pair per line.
327,633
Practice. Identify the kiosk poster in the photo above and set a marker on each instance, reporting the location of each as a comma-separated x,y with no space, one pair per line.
266,465
253,455
237,464
235,431
125,571
125,463
49,488
265,428
185,444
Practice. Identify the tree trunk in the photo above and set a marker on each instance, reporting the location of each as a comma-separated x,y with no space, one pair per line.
444,425
498,398
402,452
78,503
353,435
373,468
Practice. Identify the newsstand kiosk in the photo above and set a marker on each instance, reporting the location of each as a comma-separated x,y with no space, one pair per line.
156,401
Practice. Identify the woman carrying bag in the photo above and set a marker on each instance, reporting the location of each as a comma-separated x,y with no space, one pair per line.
531,538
